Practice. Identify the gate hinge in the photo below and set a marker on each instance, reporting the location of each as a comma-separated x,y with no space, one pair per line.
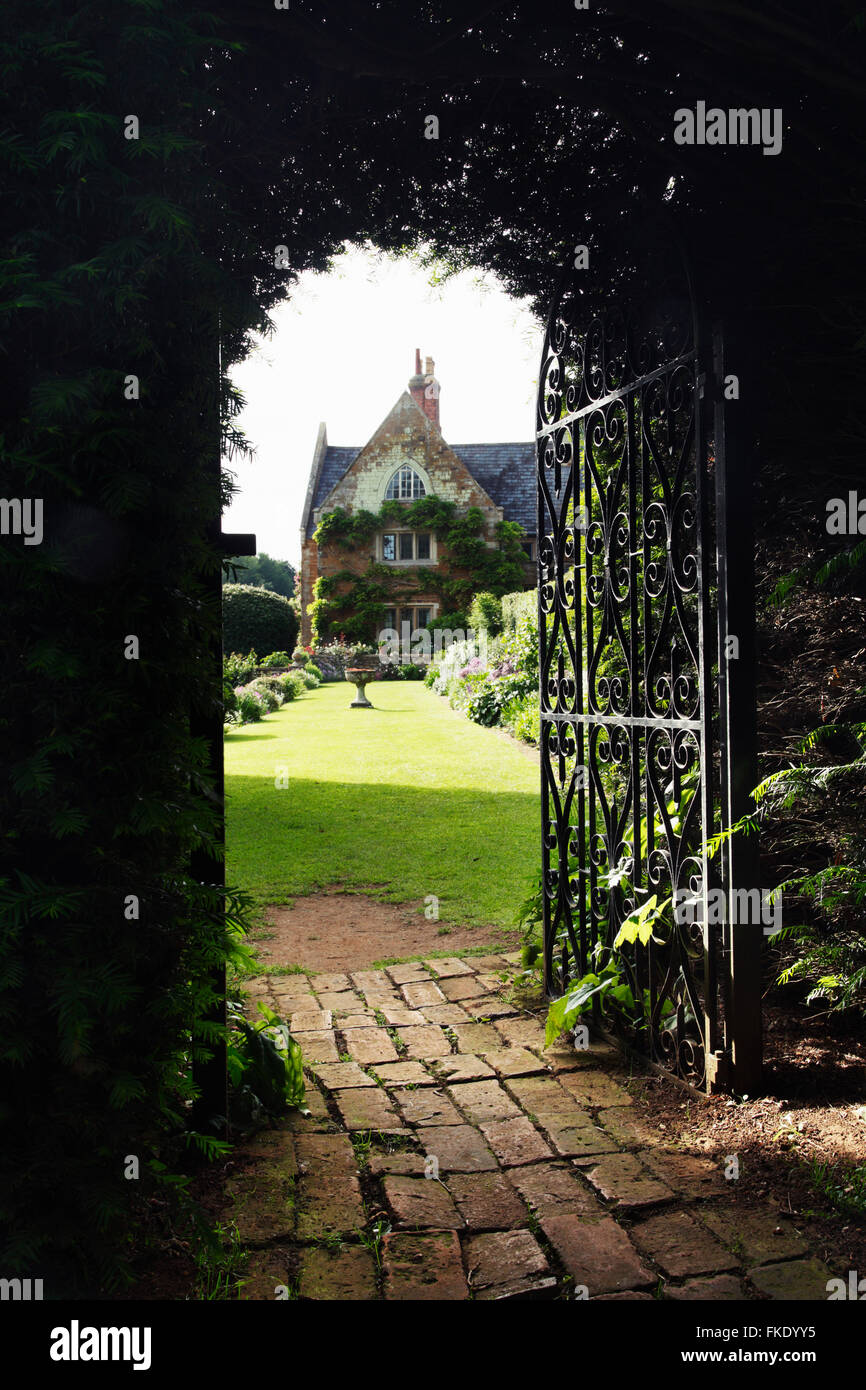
718,1067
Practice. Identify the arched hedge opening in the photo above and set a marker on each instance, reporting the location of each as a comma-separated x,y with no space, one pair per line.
165,181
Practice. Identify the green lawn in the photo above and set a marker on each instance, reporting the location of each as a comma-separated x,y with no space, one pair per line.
410,797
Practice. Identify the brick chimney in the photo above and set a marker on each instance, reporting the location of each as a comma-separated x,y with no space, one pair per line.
424,388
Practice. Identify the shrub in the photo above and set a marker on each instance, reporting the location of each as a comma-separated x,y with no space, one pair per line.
410,671
230,699
276,659
519,608
292,684
461,689
258,619
486,614
502,691
271,697
300,654
265,1066
451,662
522,718
272,684
251,706
237,670
313,670
450,621
309,681
483,705
827,948
430,675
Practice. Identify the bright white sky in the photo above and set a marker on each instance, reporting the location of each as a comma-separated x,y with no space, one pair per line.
343,351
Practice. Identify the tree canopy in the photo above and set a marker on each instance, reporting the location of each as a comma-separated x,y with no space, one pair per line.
260,570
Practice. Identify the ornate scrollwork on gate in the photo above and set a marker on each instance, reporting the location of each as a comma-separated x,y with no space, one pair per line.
623,633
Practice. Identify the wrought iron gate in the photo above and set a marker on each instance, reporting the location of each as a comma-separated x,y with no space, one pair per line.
633,593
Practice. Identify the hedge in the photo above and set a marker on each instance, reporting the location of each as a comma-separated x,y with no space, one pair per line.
516,608
255,619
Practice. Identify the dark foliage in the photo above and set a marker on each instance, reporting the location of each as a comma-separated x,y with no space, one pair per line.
146,257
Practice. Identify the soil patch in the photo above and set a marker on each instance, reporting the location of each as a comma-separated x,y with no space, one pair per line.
337,931
811,1115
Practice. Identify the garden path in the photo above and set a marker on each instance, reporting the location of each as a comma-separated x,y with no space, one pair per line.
448,1155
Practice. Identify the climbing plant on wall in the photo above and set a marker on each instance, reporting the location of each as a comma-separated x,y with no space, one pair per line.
353,604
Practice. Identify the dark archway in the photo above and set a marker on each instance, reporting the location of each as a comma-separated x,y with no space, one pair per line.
139,253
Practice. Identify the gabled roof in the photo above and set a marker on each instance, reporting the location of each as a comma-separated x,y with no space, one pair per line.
335,464
505,471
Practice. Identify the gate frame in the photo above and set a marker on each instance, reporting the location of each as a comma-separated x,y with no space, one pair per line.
732,1050
739,1066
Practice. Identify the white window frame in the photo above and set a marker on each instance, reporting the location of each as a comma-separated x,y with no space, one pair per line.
402,608
413,478
396,532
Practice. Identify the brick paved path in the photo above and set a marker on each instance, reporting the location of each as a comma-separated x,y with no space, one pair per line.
448,1156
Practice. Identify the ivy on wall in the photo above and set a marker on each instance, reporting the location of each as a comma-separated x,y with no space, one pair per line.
354,605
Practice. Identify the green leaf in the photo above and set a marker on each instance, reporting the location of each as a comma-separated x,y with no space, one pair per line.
638,926
564,1012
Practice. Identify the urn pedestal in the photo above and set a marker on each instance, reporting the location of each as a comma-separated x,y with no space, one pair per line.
360,677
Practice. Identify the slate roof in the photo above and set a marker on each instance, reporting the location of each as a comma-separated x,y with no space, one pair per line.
505,471
507,474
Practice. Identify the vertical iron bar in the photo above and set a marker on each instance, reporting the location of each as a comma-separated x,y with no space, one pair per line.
712,1041
588,706
579,500
543,725
642,958
737,731
643,788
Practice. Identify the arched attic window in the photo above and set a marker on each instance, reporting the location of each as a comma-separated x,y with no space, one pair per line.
405,485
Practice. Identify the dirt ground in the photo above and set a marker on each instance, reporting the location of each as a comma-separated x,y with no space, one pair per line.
810,1115
336,930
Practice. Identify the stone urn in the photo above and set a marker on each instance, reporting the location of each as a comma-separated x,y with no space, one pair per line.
360,673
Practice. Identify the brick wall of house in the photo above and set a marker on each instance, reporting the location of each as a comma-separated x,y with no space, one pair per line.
407,436
308,575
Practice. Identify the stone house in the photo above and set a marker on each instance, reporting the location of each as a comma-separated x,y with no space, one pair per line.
407,459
